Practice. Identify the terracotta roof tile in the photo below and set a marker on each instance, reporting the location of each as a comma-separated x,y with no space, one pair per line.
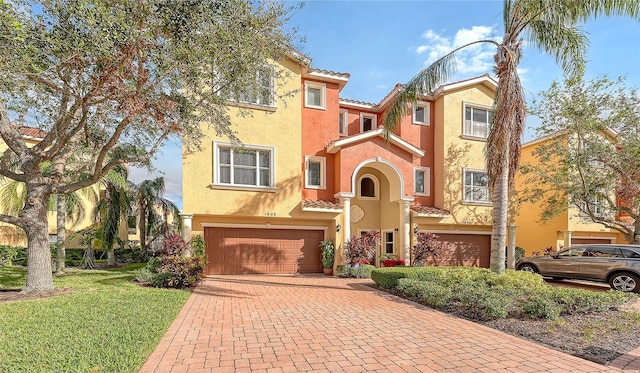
32,132
430,210
358,102
329,72
320,204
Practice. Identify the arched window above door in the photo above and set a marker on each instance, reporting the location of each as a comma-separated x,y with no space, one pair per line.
368,187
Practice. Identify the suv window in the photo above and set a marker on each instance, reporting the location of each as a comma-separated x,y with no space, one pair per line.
628,253
603,252
572,251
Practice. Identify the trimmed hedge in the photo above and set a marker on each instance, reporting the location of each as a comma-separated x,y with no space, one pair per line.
486,295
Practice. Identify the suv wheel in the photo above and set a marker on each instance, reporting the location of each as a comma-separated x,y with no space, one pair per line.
625,281
528,268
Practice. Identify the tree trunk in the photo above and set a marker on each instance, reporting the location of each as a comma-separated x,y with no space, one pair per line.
89,258
143,231
500,199
61,233
34,215
111,257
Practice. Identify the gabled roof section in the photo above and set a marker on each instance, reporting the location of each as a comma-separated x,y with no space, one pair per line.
335,146
445,88
609,132
327,76
430,212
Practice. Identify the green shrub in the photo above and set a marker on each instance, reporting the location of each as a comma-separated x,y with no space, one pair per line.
388,277
521,280
542,305
580,301
343,270
496,306
363,271
8,254
433,294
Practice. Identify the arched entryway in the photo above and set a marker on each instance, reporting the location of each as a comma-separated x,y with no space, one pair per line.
377,201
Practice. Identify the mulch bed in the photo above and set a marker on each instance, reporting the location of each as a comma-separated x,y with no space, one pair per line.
11,295
598,337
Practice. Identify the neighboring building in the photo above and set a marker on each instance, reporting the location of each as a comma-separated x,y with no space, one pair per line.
569,227
319,167
13,236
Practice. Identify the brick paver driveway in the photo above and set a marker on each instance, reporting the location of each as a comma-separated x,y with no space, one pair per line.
259,323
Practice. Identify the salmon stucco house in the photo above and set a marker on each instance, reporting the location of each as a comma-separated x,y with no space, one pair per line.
319,167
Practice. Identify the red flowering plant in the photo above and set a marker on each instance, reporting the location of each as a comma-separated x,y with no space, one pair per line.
362,248
427,245
393,262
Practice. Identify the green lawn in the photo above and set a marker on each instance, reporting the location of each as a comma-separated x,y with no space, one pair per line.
107,324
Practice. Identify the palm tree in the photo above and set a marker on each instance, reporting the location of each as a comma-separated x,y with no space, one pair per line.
152,208
113,208
551,26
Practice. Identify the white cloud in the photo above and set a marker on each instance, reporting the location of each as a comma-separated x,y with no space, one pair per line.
475,59
381,86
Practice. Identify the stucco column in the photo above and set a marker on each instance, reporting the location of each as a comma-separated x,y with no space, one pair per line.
511,252
567,239
187,220
405,239
346,226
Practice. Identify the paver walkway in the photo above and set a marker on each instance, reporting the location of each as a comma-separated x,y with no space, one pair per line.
259,323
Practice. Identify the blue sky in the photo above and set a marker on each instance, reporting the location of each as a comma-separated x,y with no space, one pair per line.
381,43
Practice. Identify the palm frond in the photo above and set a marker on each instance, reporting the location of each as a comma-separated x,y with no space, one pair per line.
12,196
568,44
423,84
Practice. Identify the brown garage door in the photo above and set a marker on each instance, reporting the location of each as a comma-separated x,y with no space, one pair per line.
465,250
584,241
249,250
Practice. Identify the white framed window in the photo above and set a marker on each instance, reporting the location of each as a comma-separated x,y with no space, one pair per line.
422,181
343,124
476,186
315,171
598,205
477,120
368,122
588,148
368,187
261,94
421,113
388,242
53,238
247,167
315,95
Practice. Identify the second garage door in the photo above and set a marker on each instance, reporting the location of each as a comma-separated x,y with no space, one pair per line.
274,251
583,241
465,250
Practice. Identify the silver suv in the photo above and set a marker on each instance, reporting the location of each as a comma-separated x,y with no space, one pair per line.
619,265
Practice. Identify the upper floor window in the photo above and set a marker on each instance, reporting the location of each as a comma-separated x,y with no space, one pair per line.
260,94
368,187
422,181
367,122
421,113
246,167
477,121
344,123
315,172
597,205
315,95
476,186
590,150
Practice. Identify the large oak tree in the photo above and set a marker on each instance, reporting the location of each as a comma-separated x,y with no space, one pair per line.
109,81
